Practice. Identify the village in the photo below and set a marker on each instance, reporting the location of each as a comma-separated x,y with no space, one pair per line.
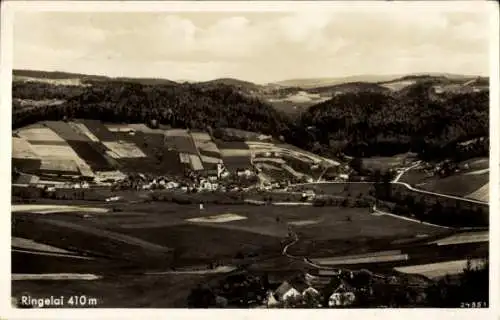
316,288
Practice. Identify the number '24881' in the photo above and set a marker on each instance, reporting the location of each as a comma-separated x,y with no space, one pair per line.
475,304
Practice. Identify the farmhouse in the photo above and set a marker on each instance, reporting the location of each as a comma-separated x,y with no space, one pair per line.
343,295
288,290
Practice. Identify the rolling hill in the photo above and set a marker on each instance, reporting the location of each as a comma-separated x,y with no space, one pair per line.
357,117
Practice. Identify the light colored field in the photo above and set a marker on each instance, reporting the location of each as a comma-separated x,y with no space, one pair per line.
68,165
39,134
482,194
219,269
201,136
177,133
132,127
260,145
64,82
267,166
207,159
46,209
304,222
482,171
80,127
235,152
207,146
398,85
118,127
220,218
292,171
54,276
480,163
38,103
195,162
54,151
28,244
21,149
61,156
466,237
440,269
383,256
124,149
103,175
204,142
184,158
275,160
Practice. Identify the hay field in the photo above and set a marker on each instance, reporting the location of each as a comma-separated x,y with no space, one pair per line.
48,209
440,269
52,151
226,153
205,145
54,156
457,185
176,133
481,194
22,149
184,158
56,165
374,257
29,244
465,237
123,149
195,161
39,134
210,160
221,218
398,85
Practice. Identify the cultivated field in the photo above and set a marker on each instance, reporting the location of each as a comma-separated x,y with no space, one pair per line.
21,149
89,147
440,269
121,291
386,163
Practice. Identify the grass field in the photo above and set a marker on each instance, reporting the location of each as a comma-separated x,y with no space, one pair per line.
97,129
457,185
82,128
481,194
386,163
440,269
89,152
66,131
67,166
123,149
123,291
39,134
169,226
21,149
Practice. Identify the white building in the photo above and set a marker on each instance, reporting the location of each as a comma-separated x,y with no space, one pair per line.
342,296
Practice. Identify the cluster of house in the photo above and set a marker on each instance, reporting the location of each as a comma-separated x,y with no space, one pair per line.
329,288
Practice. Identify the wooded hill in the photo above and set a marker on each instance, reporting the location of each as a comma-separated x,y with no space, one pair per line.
356,122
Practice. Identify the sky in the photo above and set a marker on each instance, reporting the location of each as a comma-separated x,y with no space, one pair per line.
255,46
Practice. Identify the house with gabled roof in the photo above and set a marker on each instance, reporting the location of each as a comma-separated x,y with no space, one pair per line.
343,295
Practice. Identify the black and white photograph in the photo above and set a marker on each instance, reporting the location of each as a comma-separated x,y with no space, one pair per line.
261,157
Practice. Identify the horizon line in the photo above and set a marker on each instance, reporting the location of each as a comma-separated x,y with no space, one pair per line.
180,81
